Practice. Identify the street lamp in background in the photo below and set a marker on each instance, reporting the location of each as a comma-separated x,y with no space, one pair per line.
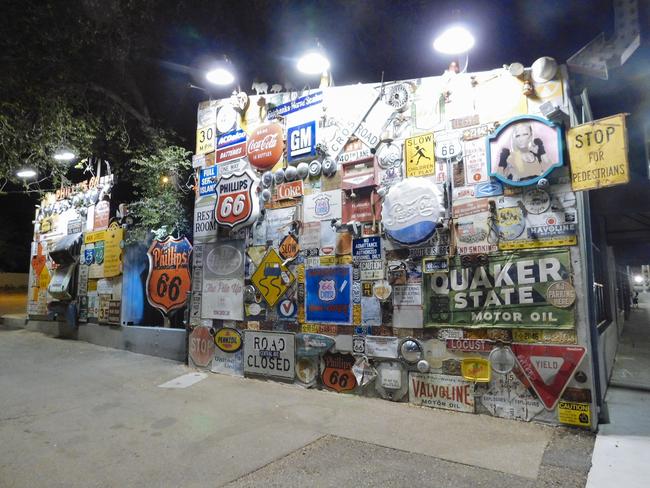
64,154
26,173
638,279
455,40
315,62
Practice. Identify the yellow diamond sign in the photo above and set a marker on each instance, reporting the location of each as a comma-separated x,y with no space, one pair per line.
272,278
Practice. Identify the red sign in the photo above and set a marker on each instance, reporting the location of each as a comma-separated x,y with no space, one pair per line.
549,368
287,191
102,212
237,202
169,280
201,346
231,153
360,208
469,345
337,374
265,146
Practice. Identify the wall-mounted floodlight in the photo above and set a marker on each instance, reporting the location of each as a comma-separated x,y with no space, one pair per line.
64,154
313,63
220,76
26,173
454,40
638,279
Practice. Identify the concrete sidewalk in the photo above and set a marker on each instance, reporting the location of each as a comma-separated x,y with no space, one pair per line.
77,415
622,446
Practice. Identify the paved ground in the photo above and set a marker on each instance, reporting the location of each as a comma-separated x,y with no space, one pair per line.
77,415
622,446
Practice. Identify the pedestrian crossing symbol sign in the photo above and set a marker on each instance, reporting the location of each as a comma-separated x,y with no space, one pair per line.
419,155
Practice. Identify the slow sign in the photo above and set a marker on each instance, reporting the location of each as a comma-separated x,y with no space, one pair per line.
269,354
598,152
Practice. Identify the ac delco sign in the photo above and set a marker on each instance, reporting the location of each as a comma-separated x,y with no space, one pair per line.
237,203
265,146
169,280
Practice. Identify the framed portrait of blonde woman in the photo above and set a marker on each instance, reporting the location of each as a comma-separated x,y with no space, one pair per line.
524,150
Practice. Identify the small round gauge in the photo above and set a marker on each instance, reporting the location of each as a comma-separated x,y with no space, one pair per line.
226,119
398,97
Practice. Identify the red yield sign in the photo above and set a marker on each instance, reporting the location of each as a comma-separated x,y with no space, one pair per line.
549,368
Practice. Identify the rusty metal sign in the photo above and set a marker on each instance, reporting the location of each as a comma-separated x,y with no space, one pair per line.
169,280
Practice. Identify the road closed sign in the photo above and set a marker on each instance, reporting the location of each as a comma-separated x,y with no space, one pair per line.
269,354
598,152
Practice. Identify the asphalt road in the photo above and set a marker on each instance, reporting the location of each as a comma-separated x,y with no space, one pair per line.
74,414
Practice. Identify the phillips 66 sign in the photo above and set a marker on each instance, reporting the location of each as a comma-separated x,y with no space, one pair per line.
237,202
169,280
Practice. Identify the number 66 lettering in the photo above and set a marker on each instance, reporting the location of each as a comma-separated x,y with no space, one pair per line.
232,206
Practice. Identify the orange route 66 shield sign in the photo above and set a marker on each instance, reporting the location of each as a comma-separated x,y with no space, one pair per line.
237,202
169,280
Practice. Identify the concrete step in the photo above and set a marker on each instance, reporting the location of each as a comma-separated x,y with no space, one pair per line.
14,321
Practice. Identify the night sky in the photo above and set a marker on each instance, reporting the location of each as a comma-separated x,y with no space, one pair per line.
363,39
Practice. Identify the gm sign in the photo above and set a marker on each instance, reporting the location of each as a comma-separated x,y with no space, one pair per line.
302,141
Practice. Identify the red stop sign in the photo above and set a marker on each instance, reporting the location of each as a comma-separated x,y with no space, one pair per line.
201,346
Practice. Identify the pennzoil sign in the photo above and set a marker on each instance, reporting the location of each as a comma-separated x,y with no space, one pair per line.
169,280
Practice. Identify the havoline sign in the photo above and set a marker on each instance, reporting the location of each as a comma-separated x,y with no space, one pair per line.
518,289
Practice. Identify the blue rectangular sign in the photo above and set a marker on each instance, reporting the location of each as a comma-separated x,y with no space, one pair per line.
328,295
301,141
488,189
208,180
295,105
366,248
231,138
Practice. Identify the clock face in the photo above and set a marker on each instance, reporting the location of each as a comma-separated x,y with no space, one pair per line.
226,119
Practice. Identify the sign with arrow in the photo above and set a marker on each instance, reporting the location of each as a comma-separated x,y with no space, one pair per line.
549,368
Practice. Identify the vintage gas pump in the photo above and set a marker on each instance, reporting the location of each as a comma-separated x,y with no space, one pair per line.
63,285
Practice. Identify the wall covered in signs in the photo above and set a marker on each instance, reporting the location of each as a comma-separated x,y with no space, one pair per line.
75,222
413,240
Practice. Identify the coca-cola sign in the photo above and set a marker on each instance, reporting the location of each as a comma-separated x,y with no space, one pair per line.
265,146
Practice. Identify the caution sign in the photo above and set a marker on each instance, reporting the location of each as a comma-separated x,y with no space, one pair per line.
272,278
572,413
598,152
419,155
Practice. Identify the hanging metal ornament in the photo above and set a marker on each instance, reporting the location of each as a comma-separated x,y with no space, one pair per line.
397,96
315,168
267,179
329,167
303,170
389,155
291,173
266,195
278,176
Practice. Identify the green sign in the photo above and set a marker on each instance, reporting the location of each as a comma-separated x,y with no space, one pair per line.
524,289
